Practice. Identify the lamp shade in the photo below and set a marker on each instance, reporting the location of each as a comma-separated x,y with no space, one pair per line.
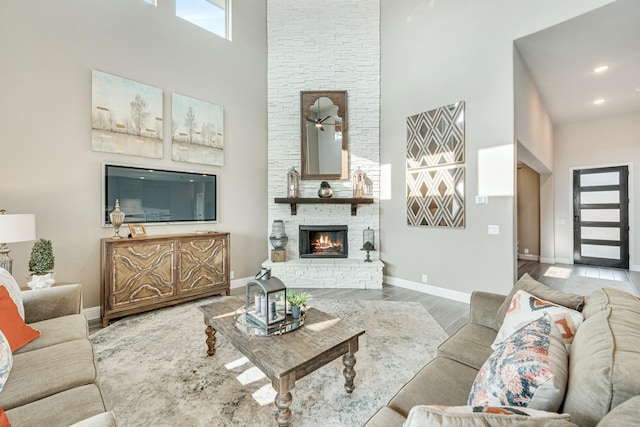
17,228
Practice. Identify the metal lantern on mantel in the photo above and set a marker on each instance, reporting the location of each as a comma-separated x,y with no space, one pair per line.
368,242
266,299
293,183
359,183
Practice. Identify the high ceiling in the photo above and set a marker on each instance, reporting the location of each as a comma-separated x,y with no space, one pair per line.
562,58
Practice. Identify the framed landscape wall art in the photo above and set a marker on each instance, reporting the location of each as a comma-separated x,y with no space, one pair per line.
435,167
126,116
197,130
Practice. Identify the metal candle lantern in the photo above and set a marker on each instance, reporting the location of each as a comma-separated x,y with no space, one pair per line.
278,236
266,299
293,183
359,179
368,239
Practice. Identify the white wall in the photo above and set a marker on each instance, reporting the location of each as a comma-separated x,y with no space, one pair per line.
606,142
48,49
435,53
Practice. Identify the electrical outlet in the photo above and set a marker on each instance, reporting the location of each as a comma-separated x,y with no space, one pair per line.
425,279
233,275
493,229
526,251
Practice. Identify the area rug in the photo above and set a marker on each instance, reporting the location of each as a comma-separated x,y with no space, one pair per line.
582,285
154,370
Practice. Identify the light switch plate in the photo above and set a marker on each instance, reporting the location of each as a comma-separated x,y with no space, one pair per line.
494,229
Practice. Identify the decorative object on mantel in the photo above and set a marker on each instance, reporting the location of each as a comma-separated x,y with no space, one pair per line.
40,265
325,190
293,183
435,167
359,179
14,228
279,241
266,296
296,300
368,239
117,218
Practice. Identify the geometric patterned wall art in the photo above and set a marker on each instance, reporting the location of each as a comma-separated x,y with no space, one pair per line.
435,197
436,138
435,167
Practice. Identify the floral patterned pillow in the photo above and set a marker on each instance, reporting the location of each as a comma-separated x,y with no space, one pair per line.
525,307
529,369
6,360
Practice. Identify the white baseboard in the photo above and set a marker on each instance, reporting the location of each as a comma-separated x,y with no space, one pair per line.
91,313
240,283
564,261
634,267
429,289
547,260
529,257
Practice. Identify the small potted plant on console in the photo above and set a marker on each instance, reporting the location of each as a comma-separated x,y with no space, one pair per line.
41,264
296,300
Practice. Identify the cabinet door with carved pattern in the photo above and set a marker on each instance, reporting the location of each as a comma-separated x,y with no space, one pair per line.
202,264
142,272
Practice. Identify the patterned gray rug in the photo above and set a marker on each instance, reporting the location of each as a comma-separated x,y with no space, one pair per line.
154,369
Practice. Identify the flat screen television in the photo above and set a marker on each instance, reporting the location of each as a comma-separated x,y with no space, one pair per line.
152,196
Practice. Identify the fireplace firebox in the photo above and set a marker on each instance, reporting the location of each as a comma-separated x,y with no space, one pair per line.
324,241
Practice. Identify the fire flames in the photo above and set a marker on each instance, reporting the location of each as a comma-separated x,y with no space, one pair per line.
324,244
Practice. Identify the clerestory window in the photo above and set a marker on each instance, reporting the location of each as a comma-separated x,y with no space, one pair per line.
212,15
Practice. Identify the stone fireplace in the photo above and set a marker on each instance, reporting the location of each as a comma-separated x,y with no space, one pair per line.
323,241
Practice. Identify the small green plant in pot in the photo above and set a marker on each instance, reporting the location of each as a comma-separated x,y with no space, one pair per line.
325,190
40,264
296,300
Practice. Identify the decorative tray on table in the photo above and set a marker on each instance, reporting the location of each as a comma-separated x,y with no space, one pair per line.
246,324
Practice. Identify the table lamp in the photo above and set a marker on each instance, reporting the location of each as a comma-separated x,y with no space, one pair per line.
14,228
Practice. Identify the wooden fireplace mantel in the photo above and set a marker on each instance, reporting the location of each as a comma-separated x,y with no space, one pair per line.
354,202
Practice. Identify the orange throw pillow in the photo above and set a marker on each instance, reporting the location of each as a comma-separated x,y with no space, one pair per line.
4,421
12,326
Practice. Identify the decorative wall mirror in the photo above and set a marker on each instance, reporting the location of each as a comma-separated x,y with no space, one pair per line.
323,131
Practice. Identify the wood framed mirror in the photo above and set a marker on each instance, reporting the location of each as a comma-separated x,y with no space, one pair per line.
323,134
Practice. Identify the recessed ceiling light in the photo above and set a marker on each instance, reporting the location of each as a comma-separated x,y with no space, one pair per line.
598,101
601,69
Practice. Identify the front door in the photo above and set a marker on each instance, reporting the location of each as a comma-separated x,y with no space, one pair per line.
601,217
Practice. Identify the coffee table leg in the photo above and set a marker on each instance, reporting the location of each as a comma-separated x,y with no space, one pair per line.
349,361
283,400
211,338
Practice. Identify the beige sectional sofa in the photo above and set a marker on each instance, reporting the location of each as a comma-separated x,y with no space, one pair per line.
53,381
603,387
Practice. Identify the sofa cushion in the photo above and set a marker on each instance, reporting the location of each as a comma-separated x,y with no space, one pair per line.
525,308
6,360
481,416
624,415
600,299
12,325
7,280
58,330
60,409
529,369
604,365
526,283
470,345
442,381
385,417
40,373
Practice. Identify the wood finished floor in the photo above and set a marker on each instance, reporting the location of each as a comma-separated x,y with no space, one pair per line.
450,314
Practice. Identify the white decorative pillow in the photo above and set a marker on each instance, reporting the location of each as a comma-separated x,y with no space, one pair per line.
525,307
6,360
7,280
470,416
529,369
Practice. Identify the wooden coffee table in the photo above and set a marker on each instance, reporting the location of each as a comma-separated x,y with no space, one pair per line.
284,359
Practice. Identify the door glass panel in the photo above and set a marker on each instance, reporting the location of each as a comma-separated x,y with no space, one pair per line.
603,215
596,179
589,197
597,251
600,233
